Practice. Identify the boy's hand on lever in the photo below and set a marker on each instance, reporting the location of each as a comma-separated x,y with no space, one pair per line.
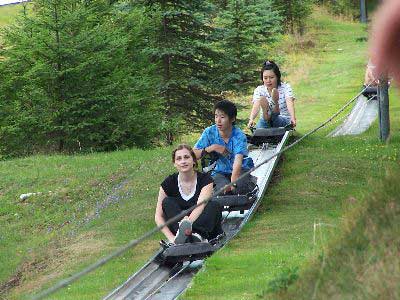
218,148
229,188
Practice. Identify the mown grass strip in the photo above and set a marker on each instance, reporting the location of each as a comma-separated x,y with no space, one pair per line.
8,14
98,202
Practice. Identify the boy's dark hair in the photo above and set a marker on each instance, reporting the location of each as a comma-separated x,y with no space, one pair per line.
227,107
271,65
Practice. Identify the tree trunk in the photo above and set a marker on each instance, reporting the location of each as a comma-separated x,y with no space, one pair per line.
166,63
59,96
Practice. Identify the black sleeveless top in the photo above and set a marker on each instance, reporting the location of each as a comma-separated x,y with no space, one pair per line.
171,188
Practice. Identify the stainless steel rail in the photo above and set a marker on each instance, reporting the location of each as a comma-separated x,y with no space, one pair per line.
154,281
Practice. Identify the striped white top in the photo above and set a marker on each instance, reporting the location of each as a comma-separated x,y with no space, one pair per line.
284,90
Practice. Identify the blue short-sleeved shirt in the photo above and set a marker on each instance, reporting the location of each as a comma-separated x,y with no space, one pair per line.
237,144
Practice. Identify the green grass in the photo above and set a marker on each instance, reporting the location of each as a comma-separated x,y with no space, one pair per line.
52,235
8,13
315,179
363,262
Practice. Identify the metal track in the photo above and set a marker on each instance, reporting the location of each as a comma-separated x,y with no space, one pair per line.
154,281
360,118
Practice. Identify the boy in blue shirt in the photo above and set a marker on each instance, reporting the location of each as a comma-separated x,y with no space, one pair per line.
230,143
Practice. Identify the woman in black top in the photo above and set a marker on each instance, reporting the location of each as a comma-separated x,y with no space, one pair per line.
183,190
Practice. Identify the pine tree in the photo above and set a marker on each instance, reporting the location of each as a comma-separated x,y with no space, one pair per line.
238,44
246,26
269,23
294,13
184,62
66,81
343,7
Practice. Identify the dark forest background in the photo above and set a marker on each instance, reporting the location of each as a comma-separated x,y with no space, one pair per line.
97,75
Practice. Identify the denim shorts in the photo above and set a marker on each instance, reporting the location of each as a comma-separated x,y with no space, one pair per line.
276,121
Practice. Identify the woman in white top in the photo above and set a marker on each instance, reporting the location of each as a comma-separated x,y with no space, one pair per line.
182,190
369,78
275,98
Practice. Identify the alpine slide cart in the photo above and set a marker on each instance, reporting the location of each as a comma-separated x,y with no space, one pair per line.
169,272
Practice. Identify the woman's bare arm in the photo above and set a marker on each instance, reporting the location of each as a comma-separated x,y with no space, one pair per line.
253,114
159,216
290,106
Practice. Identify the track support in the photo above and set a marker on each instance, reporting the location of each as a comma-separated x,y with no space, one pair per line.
384,121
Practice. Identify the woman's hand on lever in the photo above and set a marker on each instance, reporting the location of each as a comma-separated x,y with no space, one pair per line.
293,121
251,123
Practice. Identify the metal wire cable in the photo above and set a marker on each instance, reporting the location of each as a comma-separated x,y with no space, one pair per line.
133,243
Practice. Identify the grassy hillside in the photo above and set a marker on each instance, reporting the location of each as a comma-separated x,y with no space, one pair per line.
88,206
98,202
363,262
316,180
8,13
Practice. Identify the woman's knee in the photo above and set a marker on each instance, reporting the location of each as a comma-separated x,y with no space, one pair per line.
279,121
262,123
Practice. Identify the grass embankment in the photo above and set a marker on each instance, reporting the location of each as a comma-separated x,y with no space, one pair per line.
97,203
101,201
363,262
8,13
315,181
